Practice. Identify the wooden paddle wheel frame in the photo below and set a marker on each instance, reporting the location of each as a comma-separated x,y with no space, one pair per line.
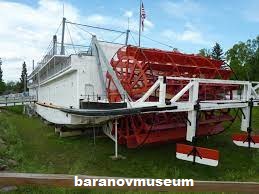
139,68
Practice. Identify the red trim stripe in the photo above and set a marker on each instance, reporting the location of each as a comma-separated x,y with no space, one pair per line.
204,152
242,137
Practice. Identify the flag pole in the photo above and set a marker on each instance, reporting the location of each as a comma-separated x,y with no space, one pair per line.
139,31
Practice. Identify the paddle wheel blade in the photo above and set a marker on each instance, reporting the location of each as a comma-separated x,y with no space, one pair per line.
138,69
243,140
197,154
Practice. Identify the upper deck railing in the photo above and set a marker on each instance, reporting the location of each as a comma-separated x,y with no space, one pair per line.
55,50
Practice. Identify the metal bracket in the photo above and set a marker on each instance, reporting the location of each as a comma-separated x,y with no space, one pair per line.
197,106
194,153
249,138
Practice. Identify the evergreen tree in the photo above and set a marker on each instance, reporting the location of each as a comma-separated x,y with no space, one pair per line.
1,72
217,52
2,84
23,79
205,52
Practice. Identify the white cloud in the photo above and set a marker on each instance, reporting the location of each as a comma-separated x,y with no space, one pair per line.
189,34
181,9
120,22
26,30
97,19
128,14
148,23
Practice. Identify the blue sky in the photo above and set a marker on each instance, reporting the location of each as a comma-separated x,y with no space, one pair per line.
188,25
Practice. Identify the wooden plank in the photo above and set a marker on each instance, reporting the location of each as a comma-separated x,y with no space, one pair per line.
63,180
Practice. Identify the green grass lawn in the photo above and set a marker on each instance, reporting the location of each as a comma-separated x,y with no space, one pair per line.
37,149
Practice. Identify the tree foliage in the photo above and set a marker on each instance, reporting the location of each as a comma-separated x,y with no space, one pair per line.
205,52
2,84
1,72
243,57
12,87
23,78
217,52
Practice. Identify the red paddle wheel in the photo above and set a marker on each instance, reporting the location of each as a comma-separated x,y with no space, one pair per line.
139,68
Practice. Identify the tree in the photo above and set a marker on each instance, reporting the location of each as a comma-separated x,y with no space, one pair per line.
23,79
12,87
243,57
1,72
175,50
205,52
217,52
2,84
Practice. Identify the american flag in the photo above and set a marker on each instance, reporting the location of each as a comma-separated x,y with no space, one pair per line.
143,16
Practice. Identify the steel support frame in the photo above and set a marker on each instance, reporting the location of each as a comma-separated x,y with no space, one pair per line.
107,67
192,114
107,129
249,90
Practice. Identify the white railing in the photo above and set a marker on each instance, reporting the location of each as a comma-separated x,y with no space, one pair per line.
249,93
15,99
54,50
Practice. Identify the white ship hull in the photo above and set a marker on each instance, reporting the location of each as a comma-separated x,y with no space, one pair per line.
58,117
68,81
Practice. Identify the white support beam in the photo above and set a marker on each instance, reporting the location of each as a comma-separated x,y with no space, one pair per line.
107,130
106,64
100,70
206,104
116,138
211,81
245,119
149,92
181,93
162,90
256,95
255,90
216,106
193,97
256,87
246,95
